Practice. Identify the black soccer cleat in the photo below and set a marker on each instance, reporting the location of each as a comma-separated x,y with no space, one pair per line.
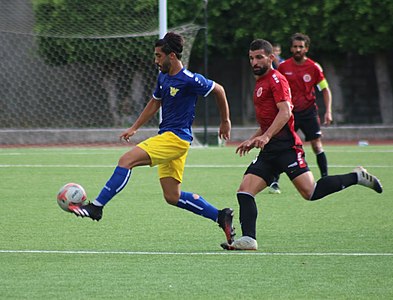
227,246
90,210
225,217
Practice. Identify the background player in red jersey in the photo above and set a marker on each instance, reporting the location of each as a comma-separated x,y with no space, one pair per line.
281,149
303,74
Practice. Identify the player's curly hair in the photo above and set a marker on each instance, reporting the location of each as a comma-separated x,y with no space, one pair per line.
260,44
300,37
171,42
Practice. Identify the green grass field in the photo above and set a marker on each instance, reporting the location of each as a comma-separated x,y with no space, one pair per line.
340,247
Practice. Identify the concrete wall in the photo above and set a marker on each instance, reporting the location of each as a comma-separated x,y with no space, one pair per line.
12,137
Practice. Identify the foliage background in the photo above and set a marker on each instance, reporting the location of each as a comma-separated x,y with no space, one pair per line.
351,39
337,26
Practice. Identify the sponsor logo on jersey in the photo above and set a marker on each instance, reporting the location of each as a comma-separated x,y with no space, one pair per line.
259,92
306,77
173,91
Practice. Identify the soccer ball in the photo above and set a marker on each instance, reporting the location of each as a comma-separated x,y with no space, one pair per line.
71,193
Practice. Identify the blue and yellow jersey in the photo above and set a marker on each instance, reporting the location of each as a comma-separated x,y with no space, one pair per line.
178,95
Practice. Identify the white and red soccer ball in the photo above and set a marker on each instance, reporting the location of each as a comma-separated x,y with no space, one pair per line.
71,194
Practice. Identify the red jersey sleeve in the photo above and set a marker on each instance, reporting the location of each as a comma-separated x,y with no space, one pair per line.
318,73
269,90
280,88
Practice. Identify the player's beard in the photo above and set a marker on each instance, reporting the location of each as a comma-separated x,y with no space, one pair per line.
166,65
260,70
298,57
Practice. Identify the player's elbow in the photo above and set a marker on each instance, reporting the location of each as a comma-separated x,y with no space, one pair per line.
285,115
284,110
218,89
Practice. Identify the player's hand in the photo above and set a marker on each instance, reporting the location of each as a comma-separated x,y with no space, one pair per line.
127,134
224,132
328,119
244,147
260,141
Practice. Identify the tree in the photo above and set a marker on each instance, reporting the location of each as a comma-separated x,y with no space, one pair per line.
233,24
336,27
365,27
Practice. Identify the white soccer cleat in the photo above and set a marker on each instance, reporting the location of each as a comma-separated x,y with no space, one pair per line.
274,188
243,243
368,180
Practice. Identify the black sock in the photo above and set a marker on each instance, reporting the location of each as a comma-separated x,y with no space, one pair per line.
331,184
322,164
276,178
248,214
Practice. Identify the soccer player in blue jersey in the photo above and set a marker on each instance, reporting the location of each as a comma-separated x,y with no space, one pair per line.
176,93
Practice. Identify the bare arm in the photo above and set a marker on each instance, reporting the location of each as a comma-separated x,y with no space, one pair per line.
223,107
148,112
327,99
259,141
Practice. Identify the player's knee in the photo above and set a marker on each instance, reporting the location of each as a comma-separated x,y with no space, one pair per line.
317,147
171,198
133,158
124,162
306,195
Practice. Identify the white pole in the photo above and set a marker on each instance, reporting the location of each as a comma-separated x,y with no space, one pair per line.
163,18
163,23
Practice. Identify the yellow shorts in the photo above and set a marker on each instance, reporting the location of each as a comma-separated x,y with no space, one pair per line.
169,152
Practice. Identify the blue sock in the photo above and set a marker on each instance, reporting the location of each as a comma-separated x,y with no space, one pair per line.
114,185
198,206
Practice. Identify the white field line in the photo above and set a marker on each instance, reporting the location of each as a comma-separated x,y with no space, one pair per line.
187,166
157,253
75,152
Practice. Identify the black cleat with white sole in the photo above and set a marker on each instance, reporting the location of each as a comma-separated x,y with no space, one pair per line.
90,210
225,218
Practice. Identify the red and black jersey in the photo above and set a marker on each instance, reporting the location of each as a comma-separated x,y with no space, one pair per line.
302,79
271,89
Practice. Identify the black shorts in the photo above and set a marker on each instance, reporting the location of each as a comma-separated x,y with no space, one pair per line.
268,164
309,123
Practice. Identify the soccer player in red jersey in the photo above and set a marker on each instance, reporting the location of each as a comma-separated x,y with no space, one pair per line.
280,149
303,74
